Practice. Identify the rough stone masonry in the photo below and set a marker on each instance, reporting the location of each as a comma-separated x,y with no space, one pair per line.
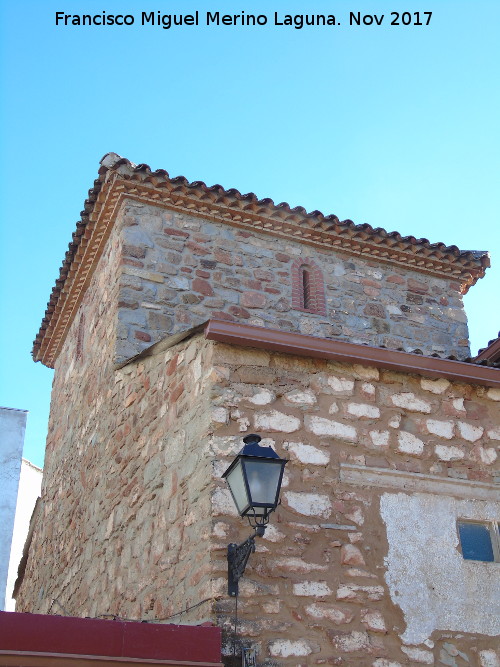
361,564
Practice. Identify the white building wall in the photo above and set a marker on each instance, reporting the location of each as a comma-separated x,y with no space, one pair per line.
12,428
30,484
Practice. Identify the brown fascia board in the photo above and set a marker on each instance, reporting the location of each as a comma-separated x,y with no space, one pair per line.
247,335
490,353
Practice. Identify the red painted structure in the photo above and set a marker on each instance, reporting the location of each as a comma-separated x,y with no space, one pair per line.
28,640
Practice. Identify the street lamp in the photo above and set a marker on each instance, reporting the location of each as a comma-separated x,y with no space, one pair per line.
254,479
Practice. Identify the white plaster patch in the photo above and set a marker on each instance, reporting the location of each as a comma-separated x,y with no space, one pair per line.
273,534
494,434
395,421
470,432
355,592
307,453
225,445
458,404
316,589
284,648
322,426
489,658
487,455
368,389
333,614
426,574
276,421
410,402
298,565
272,607
443,429
298,397
373,620
352,641
356,516
410,444
382,662
223,503
262,397
220,415
341,385
494,394
243,423
435,386
380,438
446,453
309,504
362,410
220,529
419,655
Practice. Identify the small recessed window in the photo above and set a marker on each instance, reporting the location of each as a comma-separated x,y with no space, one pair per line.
479,540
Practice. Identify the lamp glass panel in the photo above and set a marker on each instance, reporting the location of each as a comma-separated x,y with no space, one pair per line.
263,479
237,486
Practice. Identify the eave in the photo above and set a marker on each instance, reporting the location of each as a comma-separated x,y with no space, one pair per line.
119,180
246,335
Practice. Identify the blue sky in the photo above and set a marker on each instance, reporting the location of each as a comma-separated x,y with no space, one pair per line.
393,126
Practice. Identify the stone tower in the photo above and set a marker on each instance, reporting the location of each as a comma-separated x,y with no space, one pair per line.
186,316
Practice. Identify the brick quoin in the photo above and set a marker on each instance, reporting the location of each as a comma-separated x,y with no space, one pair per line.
308,288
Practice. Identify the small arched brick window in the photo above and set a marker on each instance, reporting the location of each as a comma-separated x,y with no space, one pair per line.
308,288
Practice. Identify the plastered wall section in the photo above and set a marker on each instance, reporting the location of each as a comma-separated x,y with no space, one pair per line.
126,504
12,429
30,482
332,582
434,586
180,270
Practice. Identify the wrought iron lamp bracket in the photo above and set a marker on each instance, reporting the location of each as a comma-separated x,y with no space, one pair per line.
237,559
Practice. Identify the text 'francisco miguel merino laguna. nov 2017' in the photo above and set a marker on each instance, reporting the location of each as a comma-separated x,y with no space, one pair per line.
215,18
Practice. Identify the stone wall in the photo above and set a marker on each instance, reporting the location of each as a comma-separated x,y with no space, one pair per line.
348,569
136,518
126,503
180,270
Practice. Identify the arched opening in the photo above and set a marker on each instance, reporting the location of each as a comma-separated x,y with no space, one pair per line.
308,290
306,287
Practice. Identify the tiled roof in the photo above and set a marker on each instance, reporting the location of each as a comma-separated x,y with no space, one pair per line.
490,353
118,177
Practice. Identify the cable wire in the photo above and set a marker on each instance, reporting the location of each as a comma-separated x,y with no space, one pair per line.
115,617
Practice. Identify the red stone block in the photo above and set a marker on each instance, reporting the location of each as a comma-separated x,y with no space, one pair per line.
253,300
237,311
395,279
127,261
142,335
172,365
175,232
197,249
202,287
176,392
253,284
221,315
223,257
417,286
